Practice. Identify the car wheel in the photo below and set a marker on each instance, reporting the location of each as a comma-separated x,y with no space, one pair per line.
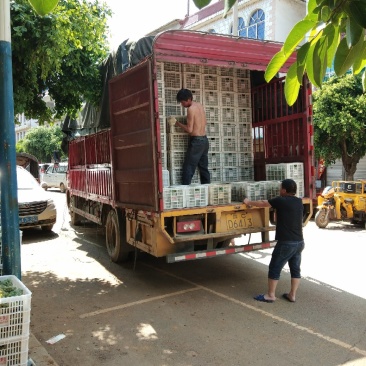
62,188
47,228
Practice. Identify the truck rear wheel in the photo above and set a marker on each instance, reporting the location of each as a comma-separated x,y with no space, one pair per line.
75,218
322,218
115,237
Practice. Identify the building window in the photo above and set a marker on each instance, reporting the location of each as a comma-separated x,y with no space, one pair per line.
256,25
242,30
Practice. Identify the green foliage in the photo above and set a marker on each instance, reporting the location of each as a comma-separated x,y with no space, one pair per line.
340,121
322,30
42,142
43,7
58,53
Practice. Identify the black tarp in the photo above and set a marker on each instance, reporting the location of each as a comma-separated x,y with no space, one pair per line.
93,119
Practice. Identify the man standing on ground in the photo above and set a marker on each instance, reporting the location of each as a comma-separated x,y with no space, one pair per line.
289,236
197,152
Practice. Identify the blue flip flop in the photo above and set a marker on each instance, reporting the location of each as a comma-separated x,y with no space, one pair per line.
261,298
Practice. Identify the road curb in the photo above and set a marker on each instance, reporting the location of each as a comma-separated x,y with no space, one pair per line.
38,354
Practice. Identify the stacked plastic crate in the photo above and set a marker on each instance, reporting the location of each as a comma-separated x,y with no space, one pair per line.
283,171
14,322
169,78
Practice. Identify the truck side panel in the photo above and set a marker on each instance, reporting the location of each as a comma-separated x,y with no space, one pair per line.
282,134
134,156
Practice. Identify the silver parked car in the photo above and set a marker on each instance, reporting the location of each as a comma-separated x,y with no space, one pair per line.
55,177
35,207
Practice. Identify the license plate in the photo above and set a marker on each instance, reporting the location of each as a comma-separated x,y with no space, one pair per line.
238,221
28,219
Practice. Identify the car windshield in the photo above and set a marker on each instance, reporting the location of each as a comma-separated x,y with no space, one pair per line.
25,180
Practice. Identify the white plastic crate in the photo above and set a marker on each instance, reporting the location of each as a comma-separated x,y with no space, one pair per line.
215,144
227,83
172,80
211,98
215,174
245,174
244,115
244,129
256,191
226,71
176,159
188,68
174,197
238,191
197,95
170,95
229,144
213,129
219,194
273,188
15,311
210,82
228,115
164,160
300,188
229,130
214,160
178,141
284,170
197,195
245,160
176,177
245,144
242,73
213,114
160,71
243,85
244,100
213,70
228,99
163,142
174,128
172,66
14,351
170,109
160,89
166,178
192,81
230,174
230,159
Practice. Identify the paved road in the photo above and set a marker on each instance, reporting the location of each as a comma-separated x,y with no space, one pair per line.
194,313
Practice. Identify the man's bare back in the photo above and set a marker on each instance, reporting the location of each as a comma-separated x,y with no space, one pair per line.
196,120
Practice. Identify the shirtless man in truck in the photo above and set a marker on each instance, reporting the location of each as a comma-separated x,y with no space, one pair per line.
197,152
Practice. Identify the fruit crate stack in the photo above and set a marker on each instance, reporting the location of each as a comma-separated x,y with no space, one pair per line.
15,308
283,171
169,79
225,94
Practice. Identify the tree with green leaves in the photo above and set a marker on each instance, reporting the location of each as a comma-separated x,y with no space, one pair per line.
332,33
58,54
42,142
340,122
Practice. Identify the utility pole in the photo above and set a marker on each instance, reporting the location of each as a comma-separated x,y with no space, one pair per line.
10,236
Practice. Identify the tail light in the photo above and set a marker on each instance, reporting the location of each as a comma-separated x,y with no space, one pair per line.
188,226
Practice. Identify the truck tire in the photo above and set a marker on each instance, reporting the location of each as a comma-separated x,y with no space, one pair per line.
75,218
322,219
115,238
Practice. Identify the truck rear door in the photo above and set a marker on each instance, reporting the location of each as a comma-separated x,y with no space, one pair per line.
133,139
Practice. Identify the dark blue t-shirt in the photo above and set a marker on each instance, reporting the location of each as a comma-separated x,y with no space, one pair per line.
289,217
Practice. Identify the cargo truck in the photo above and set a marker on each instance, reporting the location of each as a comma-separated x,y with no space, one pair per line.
126,177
